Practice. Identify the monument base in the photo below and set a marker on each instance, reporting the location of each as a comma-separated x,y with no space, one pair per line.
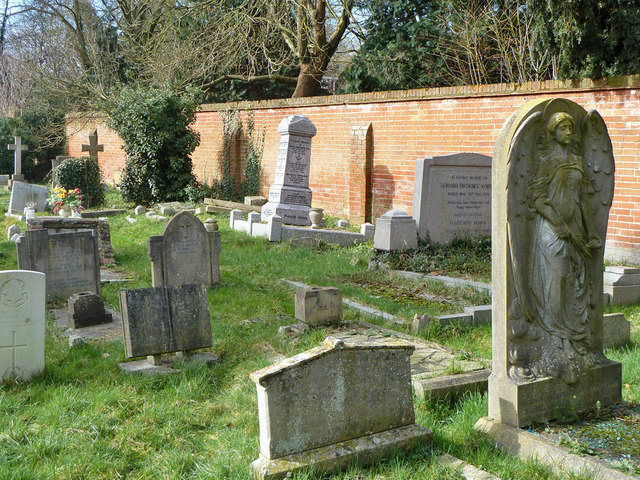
291,214
521,404
365,449
530,446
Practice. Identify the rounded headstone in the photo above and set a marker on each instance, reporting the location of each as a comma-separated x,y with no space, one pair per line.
11,231
139,210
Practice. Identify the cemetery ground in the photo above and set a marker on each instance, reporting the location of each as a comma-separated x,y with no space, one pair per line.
84,418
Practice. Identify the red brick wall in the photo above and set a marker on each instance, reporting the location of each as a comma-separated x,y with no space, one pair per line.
407,125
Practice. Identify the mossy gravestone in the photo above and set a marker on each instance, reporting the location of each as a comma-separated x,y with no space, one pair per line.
185,253
334,404
70,260
553,175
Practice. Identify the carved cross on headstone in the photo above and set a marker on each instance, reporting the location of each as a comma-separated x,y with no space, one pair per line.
18,148
93,148
13,347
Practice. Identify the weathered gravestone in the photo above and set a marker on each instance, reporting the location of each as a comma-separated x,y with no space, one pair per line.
185,253
553,176
395,230
290,196
319,305
333,404
21,324
27,195
18,148
452,196
70,260
86,309
167,319
93,148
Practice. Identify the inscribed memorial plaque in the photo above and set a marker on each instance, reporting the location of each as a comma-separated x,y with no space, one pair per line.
22,310
452,196
70,260
290,196
185,253
553,176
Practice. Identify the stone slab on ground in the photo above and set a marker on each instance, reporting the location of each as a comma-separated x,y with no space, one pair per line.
469,472
451,386
450,281
527,445
225,206
144,367
102,213
365,449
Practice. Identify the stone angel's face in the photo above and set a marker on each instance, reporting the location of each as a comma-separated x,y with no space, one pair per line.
564,132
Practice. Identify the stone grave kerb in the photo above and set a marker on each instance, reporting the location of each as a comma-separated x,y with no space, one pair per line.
22,323
192,241
538,371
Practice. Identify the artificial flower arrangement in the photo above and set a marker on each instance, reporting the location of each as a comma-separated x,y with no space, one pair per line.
61,197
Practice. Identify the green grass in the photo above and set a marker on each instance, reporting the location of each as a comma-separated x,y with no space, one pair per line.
84,418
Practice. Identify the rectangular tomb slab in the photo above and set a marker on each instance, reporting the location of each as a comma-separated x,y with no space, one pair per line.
22,312
165,319
452,196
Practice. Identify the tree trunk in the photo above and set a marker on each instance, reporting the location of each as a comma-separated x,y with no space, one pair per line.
308,81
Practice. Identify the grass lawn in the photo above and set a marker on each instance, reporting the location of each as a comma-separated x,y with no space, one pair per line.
84,418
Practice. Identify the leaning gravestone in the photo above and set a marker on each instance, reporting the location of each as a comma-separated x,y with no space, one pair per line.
70,260
27,195
553,177
290,196
165,319
452,196
185,253
21,324
332,404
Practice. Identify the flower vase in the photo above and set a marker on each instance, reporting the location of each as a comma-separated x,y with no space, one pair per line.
65,211
316,215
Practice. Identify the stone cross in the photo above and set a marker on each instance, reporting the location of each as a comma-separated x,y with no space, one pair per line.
13,347
18,148
93,148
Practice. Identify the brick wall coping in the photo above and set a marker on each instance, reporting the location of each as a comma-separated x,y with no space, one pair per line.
462,91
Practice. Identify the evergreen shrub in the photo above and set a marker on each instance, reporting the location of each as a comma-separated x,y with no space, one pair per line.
82,173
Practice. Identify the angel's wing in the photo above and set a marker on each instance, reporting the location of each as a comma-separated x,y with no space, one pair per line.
598,158
522,170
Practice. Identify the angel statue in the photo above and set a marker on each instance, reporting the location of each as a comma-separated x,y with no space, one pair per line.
560,188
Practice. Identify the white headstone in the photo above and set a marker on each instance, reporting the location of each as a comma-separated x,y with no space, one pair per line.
22,310
27,195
